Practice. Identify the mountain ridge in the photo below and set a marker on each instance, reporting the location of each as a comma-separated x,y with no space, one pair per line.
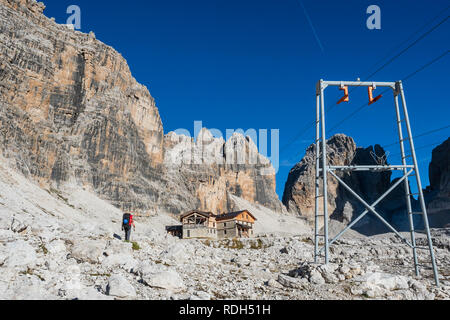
71,111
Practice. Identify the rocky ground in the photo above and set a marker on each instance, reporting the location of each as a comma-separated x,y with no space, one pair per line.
64,244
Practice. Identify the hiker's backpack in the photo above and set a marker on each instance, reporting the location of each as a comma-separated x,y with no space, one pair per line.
127,219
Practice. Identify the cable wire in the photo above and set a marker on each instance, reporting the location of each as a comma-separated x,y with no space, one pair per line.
403,51
419,136
302,132
409,47
365,104
420,148
386,90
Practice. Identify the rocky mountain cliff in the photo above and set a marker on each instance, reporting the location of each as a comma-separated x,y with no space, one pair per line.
438,193
342,150
299,190
71,112
214,169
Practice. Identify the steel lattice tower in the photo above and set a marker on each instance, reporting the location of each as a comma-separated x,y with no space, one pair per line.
323,169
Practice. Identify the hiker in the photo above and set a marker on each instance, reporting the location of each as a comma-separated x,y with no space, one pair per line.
127,222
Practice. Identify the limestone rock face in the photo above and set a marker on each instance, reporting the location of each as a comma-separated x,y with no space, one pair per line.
213,170
71,110
72,113
438,193
299,190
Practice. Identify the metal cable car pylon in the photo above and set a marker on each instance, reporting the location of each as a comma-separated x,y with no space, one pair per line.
322,170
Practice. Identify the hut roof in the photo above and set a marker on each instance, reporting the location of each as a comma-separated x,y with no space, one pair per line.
232,215
202,213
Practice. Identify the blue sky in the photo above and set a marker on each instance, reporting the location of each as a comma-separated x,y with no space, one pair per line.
254,64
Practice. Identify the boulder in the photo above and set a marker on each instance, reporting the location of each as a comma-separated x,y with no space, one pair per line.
161,277
291,282
118,247
316,278
310,272
327,272
274,283
176,254
124,261
88,250
26,287
169,280
384,280
56,247
18,226
119,287
19,254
